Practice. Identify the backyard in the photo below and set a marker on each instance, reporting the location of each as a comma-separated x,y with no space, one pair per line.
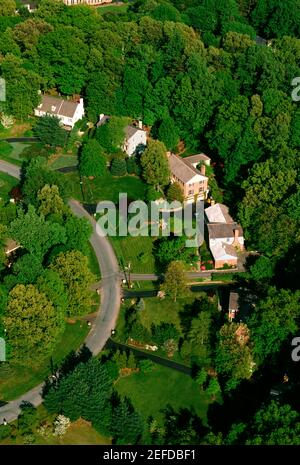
152,392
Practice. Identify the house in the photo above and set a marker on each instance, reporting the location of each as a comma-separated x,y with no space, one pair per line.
67,111
86,2
224,234
193,181
135,136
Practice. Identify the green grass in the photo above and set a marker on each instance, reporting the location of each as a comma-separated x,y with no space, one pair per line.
6,185
152,392
19,129
80,432
137,251
62,161
11,152
18,379
113,9
93,262
227,277
107,187
146,285
163,310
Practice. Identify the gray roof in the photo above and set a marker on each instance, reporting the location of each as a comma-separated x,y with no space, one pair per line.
222,230
182,169
57,106
196,158
218,213
131,130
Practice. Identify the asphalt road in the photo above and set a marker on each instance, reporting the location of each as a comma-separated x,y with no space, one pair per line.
110,300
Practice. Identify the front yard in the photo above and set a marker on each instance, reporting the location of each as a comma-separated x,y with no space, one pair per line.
17,379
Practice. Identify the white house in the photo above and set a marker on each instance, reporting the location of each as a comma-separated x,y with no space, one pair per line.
225,235
67,111
134,135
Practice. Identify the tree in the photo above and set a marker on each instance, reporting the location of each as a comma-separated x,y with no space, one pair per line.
175,282
155,164
72,268
50,201
32,323
175,192
7,8
168,248
164,332
36,234
127,424
201,377
274,319
78,231
118,167
35,175
92,159
213,388
233,354
28,268
83,392
111,134
50,284
168,133
183,427
48,129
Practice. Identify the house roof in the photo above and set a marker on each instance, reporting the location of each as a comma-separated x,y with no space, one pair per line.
131,130
222,230
196,158
182,169
218,213
233,301
57,106
223,251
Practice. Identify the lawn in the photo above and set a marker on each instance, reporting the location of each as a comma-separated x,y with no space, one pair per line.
152,392
107,187
80,432
12,151
137,251
93,262
61,161
112,9
17,130
16,380
7,183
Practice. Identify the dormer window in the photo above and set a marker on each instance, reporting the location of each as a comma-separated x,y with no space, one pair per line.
53,108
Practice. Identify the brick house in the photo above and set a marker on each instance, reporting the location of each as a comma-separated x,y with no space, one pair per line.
67,111
224,234
192,180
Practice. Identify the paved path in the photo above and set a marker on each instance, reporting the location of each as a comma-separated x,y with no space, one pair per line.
110,300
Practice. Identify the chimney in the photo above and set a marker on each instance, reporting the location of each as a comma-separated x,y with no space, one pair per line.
140,124
236,234
203,169
212,202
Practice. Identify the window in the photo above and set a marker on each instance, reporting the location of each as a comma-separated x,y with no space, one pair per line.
191,192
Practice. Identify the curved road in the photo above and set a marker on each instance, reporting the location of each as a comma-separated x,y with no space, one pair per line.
110,299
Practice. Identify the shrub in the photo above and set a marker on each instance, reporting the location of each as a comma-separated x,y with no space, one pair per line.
118,167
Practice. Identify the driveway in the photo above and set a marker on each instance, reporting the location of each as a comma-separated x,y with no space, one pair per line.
108,311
